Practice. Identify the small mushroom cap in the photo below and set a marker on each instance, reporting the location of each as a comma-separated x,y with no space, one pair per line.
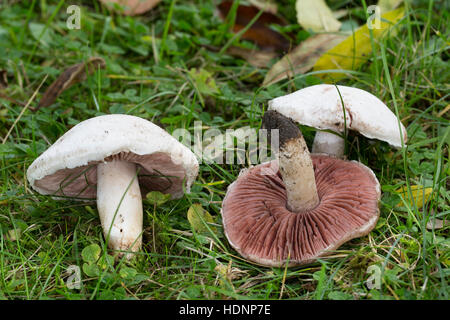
69,166
320,107
260,227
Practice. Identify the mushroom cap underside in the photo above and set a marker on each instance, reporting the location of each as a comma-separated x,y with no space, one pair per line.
68,167
260,227
320,106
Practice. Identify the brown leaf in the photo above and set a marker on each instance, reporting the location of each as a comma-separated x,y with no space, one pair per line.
260,32
133,7
303,57
259,59
437,224
3,79
69,77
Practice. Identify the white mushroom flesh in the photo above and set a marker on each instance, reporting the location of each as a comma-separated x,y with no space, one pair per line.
329,143
119,204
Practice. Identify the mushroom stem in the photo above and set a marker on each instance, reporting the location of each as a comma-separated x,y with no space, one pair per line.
119,204
295,163
329,143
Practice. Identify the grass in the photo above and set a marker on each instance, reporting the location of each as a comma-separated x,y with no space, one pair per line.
150,73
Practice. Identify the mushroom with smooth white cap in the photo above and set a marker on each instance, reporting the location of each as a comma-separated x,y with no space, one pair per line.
112,158
301,207
320,106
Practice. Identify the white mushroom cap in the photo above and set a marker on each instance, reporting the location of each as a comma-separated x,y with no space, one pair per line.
320,107
65,167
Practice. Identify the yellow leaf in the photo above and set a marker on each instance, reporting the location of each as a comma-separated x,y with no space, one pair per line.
315,15
303,57
199,217
354,51
420,195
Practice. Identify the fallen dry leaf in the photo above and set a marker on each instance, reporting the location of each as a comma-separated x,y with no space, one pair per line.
354,51
315,15
266,5
14,234
255,57
420,195
228,273
199,217
340,13
260,32
69,77
133,7
3,79
259,59
303,57
437,224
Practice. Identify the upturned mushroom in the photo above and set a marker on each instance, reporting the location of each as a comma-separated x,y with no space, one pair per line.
320,106
113,158
301,207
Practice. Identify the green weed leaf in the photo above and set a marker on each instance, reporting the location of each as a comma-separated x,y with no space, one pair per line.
91,270
127,272
157,198
198,217
91,253
339,295
204,81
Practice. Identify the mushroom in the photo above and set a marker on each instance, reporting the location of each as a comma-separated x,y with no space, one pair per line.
301,207
320,106
112,158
